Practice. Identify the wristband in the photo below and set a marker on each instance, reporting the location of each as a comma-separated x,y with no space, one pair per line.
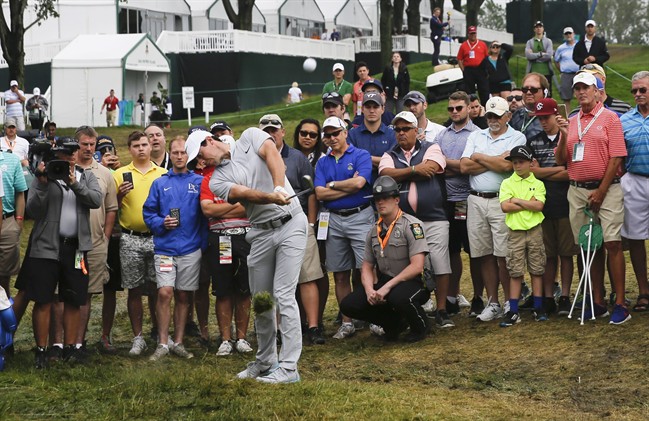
278,188
413,169
311,225
20,218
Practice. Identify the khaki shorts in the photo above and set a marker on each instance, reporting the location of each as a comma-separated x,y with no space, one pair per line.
485,223
311,269
183,273
437,239
9,248
526,246
610,215
636,206
98,268
557,237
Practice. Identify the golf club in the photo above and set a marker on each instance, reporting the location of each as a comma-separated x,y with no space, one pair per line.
306,180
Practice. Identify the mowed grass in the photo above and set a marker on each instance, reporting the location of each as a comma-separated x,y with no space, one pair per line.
554,370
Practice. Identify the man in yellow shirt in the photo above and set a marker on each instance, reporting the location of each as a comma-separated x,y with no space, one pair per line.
136,245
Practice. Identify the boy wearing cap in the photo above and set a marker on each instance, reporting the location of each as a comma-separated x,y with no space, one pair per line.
372,85
539,52
14,100
591,48
339,84
522,197
566,65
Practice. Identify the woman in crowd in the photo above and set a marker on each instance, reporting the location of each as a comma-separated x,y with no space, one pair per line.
396,83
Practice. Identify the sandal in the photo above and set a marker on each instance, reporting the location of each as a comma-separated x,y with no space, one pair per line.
639,307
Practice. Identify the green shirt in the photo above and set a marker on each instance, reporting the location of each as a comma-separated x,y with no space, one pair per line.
343,88
522,188
538,66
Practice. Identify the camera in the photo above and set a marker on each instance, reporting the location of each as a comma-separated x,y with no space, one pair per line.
43,150
57,169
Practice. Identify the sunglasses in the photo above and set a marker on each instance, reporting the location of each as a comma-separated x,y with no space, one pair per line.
332,134
456,108
531,89
642,90
312,135
402,129
495,46
273,122
329,95
515,97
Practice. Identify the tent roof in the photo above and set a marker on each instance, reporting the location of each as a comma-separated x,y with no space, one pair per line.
347,12
180,7
132,51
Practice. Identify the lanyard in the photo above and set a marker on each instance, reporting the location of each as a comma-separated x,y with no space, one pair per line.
579,132
474,45
526,125
383,242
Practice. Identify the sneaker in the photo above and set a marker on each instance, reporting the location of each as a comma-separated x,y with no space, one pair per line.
254,370
160,352
242,346
74,355
191,329
280,375
620,315
225,349
556,291
452,308
54,353
550,305
345,330
315,335
40,358
491,312
105,346
179,351
359,324
564,306
600,311
443,320
413,337
429,306
139,345
376,330
506,307
612,298
528,304
463,302
510,319
477,306
540,315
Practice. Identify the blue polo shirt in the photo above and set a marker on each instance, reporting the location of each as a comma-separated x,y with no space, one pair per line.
13,180
377,143
329,169
636,136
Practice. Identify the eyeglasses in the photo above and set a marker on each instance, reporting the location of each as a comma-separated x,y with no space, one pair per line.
273,122
312,135
531,89
402,129
495,46
642,90
588,67
332,134
515,97
456,108
492,116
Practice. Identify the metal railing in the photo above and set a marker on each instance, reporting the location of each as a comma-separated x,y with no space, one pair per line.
410,43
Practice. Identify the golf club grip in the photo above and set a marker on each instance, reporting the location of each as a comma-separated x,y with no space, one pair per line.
303,192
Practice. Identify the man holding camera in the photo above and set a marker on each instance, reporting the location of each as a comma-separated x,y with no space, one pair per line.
60,200
14,100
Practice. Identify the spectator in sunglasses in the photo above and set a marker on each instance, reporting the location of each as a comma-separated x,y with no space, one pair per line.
535,88
307,140
476,113
515,99
497,68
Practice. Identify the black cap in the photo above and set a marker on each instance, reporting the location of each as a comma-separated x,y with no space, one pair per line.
538,23
520,152
385,186
66,144
219,125
194,128
104,142
332,98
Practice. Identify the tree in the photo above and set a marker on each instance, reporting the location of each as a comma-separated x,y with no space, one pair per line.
537,11
385,24
620,21
414,18
472,8
457,5
243,19
493,16
398,15
12,35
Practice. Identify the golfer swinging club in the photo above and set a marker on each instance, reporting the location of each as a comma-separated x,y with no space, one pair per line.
253,174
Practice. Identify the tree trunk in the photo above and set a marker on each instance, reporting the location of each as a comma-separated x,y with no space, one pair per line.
398,15
537,11
457,5
243,19
472,8
385,23
414,18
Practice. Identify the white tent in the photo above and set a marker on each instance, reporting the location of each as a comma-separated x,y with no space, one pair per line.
90,66
348,17
301,18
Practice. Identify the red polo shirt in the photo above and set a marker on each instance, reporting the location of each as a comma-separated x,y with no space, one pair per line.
111,103
480,52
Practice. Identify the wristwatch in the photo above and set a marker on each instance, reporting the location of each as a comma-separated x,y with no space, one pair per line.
332,185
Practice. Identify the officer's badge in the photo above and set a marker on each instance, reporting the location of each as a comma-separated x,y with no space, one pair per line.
397,233
417,231
350,167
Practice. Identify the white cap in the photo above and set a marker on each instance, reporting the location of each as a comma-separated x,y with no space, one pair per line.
497,105
334,122
590,22
338,66
584,77
13,83
37,91
193,143
228,140
406,116
568,29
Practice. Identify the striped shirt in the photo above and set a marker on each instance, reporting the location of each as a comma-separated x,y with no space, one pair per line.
206,194
636,135
603,141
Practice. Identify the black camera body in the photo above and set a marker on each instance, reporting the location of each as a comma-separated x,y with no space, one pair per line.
57,169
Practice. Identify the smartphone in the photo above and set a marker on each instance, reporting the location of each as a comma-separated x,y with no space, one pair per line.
128,177
97,156
563,111
175,213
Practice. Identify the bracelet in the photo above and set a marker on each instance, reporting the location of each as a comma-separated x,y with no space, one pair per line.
413,169
20,218
311,225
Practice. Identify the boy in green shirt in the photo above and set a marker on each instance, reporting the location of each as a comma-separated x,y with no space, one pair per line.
522,197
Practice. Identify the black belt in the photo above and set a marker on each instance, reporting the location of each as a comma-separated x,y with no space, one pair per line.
8,215
591,185
486,195
136,233
273,223
350,211
69,240
231,231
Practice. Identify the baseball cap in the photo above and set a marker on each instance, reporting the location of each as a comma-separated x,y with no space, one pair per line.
520,151
338,66
497,105
590,22
270,120
219,125
104,142
334,122
195,128
568,30
593,68
372,97
10,124
538,23
13,83
37,91
546,106
406,116
193,146
414,96
586,78
372,82
332,98
472,30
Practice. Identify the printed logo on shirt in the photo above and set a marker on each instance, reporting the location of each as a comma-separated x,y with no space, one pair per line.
350,167
191,188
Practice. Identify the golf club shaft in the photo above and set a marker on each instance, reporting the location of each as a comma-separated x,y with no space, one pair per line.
303,192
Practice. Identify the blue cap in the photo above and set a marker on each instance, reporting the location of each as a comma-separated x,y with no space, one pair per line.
374,82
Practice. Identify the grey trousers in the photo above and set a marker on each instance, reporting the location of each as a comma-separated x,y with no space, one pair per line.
274,266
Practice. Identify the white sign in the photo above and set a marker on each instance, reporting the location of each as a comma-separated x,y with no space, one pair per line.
208,105
188,97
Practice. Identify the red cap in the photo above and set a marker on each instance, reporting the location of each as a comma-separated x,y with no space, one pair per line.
473,30
546,106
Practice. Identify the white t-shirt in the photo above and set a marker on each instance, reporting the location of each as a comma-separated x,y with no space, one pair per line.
295,93
19,147
15,109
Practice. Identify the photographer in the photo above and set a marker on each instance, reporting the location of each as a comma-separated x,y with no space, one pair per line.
14,100
61,197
